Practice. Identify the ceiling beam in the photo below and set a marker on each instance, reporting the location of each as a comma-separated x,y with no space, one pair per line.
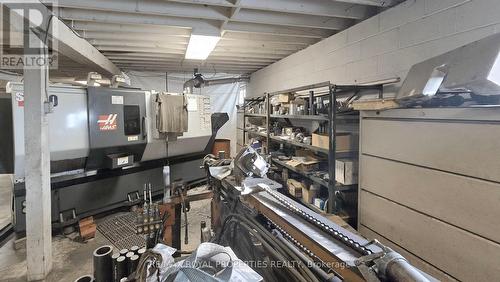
191,67
268,38
243,51
173,44
140,49
111,54
224,3
259,45
258,48
186,69
217,68
94,26
243,59
234,10
288,19
377,3
218,50
70,45
149,7
278,30
96,30
211,62
248,55
149,56
144,23
129,43
211,27
327,8
330,8
160,9
120,37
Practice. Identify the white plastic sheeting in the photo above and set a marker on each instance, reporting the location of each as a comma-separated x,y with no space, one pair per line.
223,98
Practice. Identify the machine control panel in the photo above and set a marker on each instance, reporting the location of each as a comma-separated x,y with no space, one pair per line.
116,126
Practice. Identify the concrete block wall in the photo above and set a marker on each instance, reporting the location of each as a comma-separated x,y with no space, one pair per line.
384,46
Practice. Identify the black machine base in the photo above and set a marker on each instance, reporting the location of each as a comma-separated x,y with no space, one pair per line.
79,196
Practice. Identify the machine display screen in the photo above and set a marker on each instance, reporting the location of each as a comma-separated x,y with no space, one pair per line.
132,119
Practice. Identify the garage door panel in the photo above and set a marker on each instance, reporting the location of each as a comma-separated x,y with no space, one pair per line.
448,146
462,254
415,261
469,203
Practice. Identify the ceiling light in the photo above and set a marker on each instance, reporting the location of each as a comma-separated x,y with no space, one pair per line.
200,46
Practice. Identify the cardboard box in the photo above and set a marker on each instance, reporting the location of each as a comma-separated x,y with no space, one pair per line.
309,193
304,153
281,98
304,163
294,188
344,141
346,171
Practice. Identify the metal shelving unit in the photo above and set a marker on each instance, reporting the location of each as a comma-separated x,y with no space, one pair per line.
302,117
349,93
249,102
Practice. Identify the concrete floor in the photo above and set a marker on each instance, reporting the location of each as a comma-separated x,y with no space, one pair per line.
73,259
5,199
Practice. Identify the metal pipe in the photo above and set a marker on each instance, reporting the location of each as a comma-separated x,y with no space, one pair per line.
119,268
401,270
132,264
103,271
395,267
134,249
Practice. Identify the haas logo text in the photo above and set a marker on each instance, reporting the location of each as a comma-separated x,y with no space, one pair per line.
107,122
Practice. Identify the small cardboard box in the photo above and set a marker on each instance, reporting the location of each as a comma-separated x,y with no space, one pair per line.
304,163
344,141
320,140
309,165
309,193
346,171
281,98
294,188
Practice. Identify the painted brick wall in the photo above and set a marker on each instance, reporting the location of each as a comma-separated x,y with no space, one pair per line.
384,46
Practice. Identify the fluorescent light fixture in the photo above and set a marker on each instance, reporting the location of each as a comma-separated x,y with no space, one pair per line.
200,46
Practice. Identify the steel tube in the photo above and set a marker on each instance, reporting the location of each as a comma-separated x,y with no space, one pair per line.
134,249
119,268
401,270
103,271
133,261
